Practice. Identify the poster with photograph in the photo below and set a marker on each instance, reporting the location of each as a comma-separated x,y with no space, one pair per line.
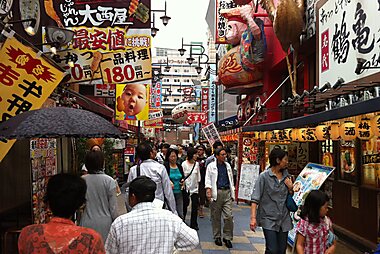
250,150
132,101
249,174
43,156
311,178
348,164
370,157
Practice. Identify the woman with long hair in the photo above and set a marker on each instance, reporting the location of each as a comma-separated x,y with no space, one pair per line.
192,178
176,176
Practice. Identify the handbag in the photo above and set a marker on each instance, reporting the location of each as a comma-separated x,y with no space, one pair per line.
290,204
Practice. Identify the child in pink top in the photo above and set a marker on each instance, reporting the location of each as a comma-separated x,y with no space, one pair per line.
314,230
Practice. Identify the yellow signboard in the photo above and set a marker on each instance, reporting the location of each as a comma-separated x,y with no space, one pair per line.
132,101
26,81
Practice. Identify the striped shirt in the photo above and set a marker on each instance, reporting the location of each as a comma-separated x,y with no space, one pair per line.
147,229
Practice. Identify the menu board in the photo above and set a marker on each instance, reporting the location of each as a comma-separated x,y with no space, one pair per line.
249,174
43,156
371,162
311,178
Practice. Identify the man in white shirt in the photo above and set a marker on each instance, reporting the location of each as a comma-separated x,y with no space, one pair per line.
220,191
157,172
147,229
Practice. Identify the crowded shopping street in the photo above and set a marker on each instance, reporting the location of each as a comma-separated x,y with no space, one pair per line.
189,126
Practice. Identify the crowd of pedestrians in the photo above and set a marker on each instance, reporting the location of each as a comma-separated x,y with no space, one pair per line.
163,183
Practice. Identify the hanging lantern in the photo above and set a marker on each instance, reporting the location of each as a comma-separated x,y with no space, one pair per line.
310,135
363,129
294,134
347,130
334,131
272,135
263,135
301,135
280,135
375,125
255,135
322,132
286,134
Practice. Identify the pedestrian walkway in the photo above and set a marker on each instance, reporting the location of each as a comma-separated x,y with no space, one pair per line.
245,241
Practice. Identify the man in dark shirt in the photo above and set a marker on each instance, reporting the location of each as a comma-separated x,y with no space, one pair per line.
220,191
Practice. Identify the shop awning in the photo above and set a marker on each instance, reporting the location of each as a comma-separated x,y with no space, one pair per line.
358,108
92,105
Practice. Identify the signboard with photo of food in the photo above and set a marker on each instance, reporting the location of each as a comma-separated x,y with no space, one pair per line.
311,178
348,170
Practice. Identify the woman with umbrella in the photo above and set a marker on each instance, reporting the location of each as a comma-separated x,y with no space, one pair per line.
101,204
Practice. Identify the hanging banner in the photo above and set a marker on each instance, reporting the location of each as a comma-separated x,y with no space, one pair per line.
212,96
132,101
196,118
100,13
311,178
26,81
156,95
211,134
347,36
205,99
221,22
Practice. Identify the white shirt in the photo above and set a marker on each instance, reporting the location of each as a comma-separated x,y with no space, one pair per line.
193,180
212,178
157,172
147,229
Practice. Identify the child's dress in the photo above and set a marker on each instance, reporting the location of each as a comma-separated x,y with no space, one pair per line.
317,237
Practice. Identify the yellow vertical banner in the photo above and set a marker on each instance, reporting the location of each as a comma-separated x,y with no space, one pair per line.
26,81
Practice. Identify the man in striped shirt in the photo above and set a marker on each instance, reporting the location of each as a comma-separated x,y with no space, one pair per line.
147,229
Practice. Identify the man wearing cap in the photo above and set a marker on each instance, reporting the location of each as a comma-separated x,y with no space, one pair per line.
157,172
147,229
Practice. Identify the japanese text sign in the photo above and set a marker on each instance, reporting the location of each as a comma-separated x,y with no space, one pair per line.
81,64
156,95
196,118
155,119
132,101
205,99
103,13
26,81
211,134
132,64
221,22
105,90
347,31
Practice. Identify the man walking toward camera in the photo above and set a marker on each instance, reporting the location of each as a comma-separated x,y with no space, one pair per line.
220,190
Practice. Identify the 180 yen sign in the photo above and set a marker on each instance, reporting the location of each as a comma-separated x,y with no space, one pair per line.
119,74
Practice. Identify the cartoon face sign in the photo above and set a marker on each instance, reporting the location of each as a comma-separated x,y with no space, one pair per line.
133,99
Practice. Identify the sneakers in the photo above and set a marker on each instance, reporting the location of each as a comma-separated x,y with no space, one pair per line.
228,243
218,241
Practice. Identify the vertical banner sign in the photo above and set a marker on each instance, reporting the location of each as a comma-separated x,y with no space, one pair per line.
204,103
212,96
221,22
132,101
347,31
26,81
152,95
158,95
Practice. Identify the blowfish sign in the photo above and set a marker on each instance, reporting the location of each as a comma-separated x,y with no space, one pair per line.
25,82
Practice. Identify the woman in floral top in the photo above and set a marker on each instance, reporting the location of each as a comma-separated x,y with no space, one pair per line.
65,194
314,230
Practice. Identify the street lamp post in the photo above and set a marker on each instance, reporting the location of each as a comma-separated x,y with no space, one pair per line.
165,20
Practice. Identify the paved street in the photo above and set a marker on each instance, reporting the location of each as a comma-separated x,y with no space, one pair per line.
245,241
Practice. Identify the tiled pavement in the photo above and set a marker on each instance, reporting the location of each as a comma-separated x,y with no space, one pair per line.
245,241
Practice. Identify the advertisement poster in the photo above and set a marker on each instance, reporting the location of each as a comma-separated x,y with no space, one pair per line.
211,134
311,178
26,82
250,150
348,169
132,101
370,156
155,119
43,156
249,174
221,22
